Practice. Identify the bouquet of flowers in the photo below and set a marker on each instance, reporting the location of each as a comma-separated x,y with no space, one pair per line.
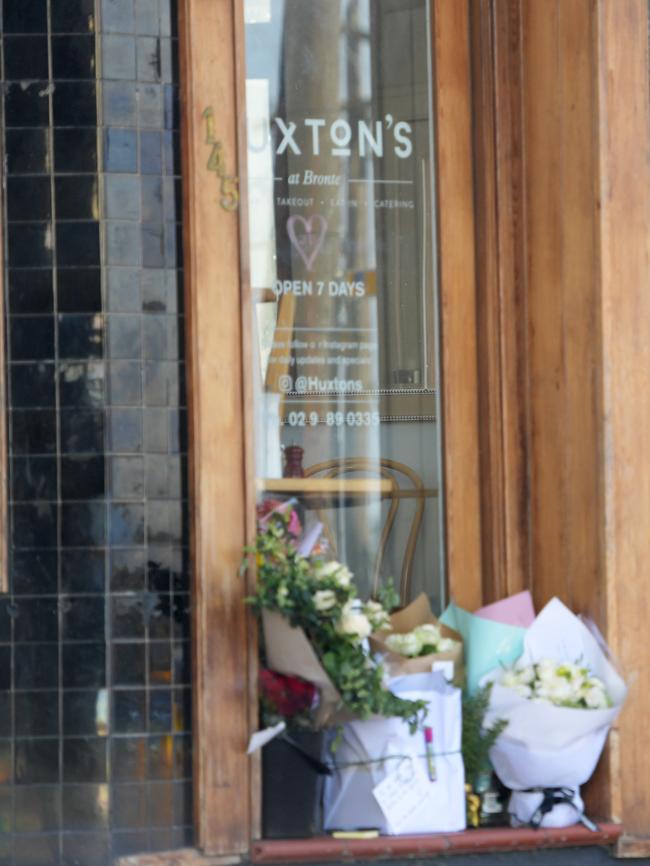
315,627
559,713
415,642
563,684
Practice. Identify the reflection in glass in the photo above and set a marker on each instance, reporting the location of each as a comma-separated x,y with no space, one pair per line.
342,263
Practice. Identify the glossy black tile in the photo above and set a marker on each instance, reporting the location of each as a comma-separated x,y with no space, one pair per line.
160,616
126,525
126,433
31,338
37,809
85,807
129,667
83,571
161,804
183,709
34,478
160,664
5,667
81,384
32,385
129,711
82,618
75,104
7,613
29,245
130,806
34,526
36,714
127,616
75,150
76,197
83,524
81,336
129,842
30,291
129,758
32,431
36,620
24,18
85,759
82,478
160,711
77,244
25,58
40,849
37,761
120,150
35,666
73,16
28,198
85,712
79,290
127,478
34,572
86,849
158,577
73,57
26,106
127,570
160,758
182,656
84,665
82,432
27,151
6,727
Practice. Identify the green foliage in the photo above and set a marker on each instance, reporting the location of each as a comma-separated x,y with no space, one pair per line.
477,740
320,598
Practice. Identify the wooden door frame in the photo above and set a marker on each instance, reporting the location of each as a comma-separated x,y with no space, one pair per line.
220,391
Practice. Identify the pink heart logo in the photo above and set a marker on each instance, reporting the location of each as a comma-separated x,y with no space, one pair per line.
307,237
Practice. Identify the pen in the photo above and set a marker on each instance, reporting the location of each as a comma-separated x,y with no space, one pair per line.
431,761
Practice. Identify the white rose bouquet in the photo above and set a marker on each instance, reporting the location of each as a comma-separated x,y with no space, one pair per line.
415,642
316,628
559,713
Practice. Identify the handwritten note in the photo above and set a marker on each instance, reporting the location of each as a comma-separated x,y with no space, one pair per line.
402,793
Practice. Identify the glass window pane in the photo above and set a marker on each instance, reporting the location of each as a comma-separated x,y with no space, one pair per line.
343,274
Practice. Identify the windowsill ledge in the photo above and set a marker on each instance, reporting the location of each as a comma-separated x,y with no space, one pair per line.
493,839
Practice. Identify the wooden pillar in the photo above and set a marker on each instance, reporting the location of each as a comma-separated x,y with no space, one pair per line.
218,453
624,199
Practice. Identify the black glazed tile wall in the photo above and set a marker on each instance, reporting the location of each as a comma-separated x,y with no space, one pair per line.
95,752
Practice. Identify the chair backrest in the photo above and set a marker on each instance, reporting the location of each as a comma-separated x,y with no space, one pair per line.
398,474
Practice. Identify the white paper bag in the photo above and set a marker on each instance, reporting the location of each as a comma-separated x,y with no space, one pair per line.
373,750
544,745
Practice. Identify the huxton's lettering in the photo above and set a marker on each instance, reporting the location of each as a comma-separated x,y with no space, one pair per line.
315,136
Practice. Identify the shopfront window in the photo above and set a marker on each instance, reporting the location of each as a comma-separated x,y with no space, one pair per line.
343,272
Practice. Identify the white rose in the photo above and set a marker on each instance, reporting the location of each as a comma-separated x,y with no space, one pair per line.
282,594
353,621
404,644
510,679
596,699
523,690
446,644
324,599
526,675
377,615
428,634
546,669
335,571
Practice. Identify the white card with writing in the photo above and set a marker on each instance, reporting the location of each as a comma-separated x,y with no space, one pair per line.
402,793
261,738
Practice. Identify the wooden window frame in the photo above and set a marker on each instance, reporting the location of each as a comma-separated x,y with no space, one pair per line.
493,166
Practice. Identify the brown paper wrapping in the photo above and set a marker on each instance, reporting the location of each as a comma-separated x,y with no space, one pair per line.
289,652
415,614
